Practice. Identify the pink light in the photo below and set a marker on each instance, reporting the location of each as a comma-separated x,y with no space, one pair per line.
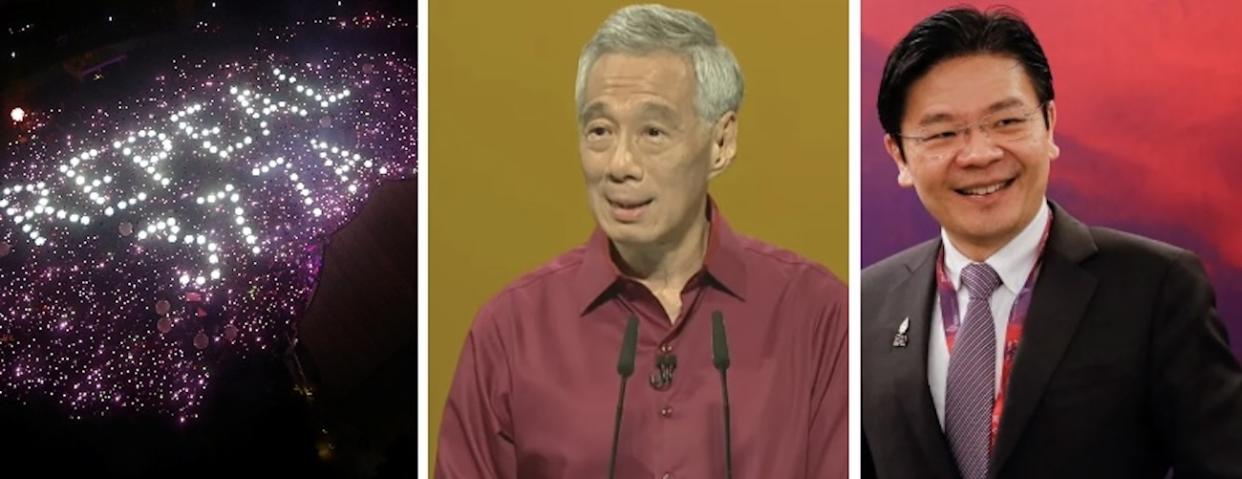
18,114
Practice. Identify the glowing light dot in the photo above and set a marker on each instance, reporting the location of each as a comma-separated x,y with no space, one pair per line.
18,114
318,212
184,279
255,250
215,274
213,259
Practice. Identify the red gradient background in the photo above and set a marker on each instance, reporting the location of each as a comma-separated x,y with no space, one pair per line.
1149,101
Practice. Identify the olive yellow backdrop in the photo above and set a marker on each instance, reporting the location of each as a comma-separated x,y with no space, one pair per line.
505,188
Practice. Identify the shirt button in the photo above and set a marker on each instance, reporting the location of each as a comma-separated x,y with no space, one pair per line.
666,348
666,411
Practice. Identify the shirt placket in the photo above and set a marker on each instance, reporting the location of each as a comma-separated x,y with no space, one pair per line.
641,302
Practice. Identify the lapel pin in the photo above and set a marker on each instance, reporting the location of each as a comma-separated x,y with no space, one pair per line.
901,339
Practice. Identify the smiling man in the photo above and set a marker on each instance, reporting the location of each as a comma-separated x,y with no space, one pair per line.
1021,342
536,387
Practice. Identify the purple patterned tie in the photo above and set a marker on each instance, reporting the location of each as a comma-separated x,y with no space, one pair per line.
972,376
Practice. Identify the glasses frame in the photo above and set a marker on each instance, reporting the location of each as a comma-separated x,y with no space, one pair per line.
982,125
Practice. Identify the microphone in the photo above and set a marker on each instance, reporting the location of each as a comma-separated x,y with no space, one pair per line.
720,358
662,377
625,367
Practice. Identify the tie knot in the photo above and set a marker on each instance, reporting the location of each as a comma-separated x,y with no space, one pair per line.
980,280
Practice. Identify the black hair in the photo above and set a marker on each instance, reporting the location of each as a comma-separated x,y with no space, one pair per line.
957,32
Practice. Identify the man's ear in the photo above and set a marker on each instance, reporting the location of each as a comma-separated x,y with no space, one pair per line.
724,144
904,178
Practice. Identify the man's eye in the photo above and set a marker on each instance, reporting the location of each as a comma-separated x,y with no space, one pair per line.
1009,122
654,132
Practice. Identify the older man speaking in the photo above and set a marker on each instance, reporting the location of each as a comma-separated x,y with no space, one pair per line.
536,389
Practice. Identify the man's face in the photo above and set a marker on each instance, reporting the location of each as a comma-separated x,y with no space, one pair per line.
982,188
646,155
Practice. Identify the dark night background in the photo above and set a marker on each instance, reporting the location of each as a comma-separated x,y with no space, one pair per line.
353,415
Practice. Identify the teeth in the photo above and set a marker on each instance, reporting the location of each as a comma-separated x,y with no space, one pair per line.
628,205
985,190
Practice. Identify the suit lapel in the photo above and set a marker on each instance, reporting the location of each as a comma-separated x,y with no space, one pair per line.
912,298
1058,303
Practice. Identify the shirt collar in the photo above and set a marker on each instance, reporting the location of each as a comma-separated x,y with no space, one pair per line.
722,263
1013,262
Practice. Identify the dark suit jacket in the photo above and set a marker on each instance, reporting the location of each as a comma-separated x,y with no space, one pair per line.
1124,369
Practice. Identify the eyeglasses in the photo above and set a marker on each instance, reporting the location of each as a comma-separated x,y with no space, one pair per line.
1004,127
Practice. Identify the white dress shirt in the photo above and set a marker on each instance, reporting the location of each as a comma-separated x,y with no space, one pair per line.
1013,263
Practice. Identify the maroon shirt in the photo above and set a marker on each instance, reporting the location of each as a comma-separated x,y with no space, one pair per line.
536,386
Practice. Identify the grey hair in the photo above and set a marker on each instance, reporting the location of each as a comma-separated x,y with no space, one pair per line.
643,29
